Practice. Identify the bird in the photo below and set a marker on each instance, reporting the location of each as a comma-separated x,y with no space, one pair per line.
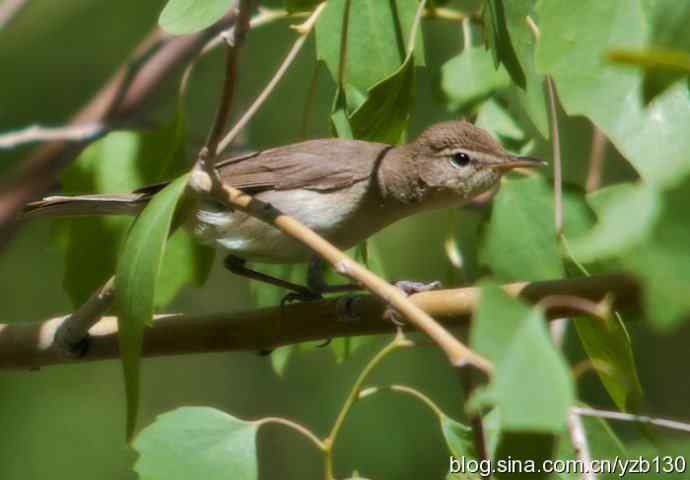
345,190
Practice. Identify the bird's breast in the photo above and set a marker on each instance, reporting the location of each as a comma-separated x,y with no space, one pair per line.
344,217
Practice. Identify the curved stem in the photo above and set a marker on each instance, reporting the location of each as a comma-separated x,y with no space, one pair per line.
419,396
398,342
294,426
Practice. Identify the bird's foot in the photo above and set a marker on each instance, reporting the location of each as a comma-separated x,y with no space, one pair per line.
408,287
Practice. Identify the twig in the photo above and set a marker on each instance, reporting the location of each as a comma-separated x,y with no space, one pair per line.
72,332
599,310
128,95
629,417
578,437
443,13
596,159
303,30
9,10
234,41
398,342
556,147
37,133
32,345
264,17
294,426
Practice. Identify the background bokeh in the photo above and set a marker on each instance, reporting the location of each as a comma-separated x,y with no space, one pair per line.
68,421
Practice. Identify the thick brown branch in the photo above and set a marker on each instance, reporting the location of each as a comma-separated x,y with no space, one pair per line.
27,346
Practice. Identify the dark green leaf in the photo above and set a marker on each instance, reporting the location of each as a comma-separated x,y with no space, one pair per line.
376,43
189,16
135,284
300,5
471,77
384,115
197,442
608,346
499,41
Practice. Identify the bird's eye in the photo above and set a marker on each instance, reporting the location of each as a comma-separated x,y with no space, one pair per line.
460,159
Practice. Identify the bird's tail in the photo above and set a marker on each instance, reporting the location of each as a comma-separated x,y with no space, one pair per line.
91,205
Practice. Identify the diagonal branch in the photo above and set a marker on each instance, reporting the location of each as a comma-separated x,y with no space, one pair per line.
33,345
126,97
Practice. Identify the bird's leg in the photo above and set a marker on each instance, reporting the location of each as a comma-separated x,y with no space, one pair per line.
316,282
237,266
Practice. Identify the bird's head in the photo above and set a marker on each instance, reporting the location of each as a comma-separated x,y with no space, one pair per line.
456,161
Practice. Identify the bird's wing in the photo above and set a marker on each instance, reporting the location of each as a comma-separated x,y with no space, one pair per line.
313,165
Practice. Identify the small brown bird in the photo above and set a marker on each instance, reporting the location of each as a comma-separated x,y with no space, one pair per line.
344,190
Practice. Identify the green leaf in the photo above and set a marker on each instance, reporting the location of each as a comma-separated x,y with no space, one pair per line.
520,239
384,115
670,34
197,442
135,284
339,119
189,16
499,41
471,77
121,162
573,47
614,233
531,95
458,438
532,385
608,346
376,42
493,118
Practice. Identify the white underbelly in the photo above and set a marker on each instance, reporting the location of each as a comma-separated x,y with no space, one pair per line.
330,214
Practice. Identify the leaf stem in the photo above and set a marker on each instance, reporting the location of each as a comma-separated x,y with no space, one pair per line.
398,342
294,426
556,153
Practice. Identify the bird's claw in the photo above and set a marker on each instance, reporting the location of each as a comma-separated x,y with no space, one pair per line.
408,287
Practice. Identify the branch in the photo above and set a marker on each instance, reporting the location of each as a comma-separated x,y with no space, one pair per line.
37,133
578,438
9,10
33,345
127,96
596,160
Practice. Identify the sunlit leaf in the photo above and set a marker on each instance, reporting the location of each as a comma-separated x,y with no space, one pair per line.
521,236
197,442
376,42
515,338
653,139
614,233
188,16
531,96
135,284
470,77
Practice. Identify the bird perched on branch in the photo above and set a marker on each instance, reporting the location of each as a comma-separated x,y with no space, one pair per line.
344,190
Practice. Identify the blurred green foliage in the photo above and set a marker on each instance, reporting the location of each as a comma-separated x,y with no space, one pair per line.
66,422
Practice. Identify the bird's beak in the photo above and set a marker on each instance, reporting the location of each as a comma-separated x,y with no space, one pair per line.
518,162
